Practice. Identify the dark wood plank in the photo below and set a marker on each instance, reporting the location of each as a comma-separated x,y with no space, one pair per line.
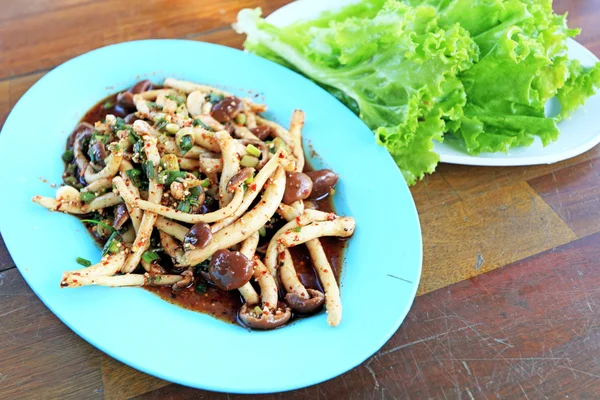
529,330
40,357
6,261
574,194
43,40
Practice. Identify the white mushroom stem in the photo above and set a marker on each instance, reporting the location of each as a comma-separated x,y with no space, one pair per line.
288,275
248,249
73,205
324,270
231,165
110,170
195,102
172,213
268,288
108,265
171,246
142,240
122,280
135,214
171,228
341,227
244,133
296,221
259,181
244,227
96,186
189,164
169,146
106,200
296,125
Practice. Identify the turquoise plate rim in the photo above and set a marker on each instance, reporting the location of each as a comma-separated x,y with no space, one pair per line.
382,266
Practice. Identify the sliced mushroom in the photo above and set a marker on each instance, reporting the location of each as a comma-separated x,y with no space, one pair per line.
121,216
323,181
125,101
230,270
306,306
82,129
298,186
188,279
227,109
238,178
198,236
141,86
266,319
99,151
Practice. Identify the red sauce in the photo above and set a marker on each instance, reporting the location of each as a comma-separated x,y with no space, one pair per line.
208,299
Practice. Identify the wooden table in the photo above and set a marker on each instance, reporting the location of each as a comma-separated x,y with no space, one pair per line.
530,329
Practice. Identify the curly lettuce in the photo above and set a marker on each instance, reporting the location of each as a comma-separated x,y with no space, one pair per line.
396,68
415,70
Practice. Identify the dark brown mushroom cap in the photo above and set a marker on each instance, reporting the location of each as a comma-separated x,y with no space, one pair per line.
262,131
198,236
323,181
264,321
125,101
82,129
121,216
98,149
298,186
306,306
227,109
141,86
238,178
230,270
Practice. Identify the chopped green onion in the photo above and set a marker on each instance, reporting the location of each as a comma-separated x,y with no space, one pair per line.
241,119
215,97
107,104
133,137
136,176
278,143
203,266
178,99
72,181
297,229
100,223
169,162
87,197
205,183
250,180
71,169
67,156
196,173
149,169
150,256
172,128
201,124
112,244
253,150
83,261
201,288
160,124
154,105
184,206
168,177
257,310
195,191
249,161
185,144
262,231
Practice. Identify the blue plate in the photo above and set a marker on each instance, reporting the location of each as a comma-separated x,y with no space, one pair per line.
383,260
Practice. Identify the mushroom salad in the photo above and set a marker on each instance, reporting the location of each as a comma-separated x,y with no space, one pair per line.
195,195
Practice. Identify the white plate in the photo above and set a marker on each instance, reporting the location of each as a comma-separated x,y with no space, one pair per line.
578,134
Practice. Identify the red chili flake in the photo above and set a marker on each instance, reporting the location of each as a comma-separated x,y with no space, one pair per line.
252,186
281,155
330,217
105,263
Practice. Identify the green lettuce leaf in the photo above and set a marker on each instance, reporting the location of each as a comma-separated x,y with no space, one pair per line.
396,68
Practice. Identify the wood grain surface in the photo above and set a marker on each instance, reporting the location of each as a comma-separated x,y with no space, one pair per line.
508,305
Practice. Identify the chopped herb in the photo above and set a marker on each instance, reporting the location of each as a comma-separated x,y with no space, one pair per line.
184,206
67,156
203,266
83,261
215,97
150,256
133,137
205,183
297,229
178,99
112,244
253,150
201,288
161,123
107,105
100,223
257,310
262,231
249,161
168,177
149,169
172,128
185,144
136,176
154,105
169,162
201,124
71,169
195,191
87,197
72,181
241,119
